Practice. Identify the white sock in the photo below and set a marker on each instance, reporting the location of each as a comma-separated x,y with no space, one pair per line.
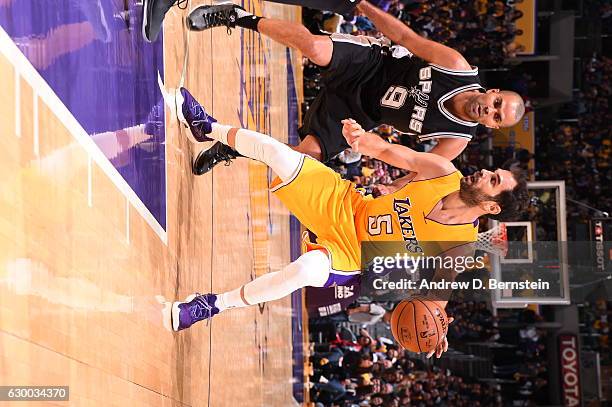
219,132
310,269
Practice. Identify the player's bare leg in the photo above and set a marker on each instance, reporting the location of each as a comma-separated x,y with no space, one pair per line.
317,48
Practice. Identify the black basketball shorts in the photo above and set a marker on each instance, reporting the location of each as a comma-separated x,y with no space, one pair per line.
355,60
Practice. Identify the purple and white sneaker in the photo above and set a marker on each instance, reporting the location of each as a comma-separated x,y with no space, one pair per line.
193,115
196,307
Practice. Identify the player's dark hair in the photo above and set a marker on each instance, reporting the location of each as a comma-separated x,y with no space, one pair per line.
512,203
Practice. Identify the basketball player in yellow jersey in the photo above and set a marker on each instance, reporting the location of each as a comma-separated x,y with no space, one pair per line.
437,204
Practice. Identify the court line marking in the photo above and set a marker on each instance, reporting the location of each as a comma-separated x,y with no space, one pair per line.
89,183
17,103
53,102
91,366
212,223
127,220
35,122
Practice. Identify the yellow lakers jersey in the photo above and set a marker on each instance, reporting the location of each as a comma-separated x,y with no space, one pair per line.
342,218
403,216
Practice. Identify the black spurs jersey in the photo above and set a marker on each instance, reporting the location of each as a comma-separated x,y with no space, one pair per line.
409,94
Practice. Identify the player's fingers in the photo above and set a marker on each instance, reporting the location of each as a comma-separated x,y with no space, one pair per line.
430,354
356,133
357,128
450,320
445,344
355,146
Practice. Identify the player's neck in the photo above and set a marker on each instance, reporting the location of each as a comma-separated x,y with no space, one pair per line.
454,211
456,104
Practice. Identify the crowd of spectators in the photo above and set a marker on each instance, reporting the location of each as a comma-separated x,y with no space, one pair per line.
473,322
580,150
355,369
517,346
483,31
595,328
521,365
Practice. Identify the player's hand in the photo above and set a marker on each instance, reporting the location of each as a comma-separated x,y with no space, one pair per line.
351,130
380,189
442,346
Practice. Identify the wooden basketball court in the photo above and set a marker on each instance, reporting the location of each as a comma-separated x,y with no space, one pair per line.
83,269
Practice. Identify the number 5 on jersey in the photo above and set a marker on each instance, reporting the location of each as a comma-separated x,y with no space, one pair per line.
379,224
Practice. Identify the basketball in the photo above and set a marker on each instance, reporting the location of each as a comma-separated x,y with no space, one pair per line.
419,324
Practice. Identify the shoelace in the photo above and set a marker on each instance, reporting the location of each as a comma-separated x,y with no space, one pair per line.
197,123
201,305
219,18
178,3
198,112
225,157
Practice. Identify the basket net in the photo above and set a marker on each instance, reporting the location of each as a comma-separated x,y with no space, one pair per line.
494,240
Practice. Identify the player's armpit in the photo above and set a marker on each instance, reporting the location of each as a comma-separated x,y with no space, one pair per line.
450,148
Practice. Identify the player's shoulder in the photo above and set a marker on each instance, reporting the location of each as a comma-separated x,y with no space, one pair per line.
456,63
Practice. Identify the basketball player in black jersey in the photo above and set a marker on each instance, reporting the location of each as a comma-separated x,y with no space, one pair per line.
418,86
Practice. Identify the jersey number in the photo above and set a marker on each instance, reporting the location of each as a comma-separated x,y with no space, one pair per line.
395,97
380,223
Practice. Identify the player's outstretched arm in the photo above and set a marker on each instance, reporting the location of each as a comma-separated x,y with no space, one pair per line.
403,35
450,147
426,165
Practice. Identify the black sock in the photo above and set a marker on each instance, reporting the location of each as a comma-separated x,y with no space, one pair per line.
247,20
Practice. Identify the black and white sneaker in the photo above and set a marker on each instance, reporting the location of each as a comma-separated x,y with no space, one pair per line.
153,13
220,15
208,159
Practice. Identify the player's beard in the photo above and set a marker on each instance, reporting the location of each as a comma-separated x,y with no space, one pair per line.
471,195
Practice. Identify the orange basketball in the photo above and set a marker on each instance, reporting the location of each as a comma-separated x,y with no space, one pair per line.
419,324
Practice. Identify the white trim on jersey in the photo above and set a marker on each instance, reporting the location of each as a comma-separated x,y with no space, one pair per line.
345,273
449,95
293,177
444,134
458,72
361,40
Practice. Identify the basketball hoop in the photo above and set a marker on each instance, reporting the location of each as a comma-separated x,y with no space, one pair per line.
494,240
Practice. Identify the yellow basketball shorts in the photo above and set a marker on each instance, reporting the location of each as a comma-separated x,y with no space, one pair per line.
325,204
